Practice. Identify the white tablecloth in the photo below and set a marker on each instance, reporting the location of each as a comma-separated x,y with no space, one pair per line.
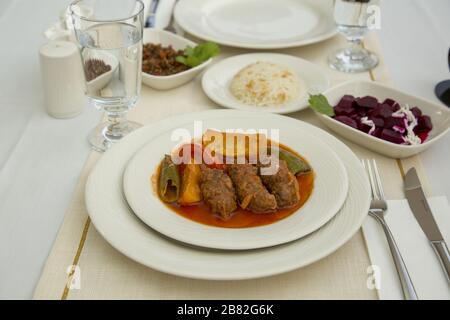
41,157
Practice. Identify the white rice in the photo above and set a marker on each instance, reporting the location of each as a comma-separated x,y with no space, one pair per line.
265,84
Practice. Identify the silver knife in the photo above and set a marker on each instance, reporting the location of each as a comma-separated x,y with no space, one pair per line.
421,210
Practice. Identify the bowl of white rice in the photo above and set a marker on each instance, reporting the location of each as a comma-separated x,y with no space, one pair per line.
268,82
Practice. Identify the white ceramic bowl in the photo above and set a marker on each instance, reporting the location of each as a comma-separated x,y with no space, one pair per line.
103,80
440,116
178,43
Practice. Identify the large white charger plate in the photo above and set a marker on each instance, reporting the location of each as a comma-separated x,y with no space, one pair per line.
217,79
329,193
258,24
114,220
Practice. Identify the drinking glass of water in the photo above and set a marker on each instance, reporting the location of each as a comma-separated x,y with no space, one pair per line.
110,40
352,18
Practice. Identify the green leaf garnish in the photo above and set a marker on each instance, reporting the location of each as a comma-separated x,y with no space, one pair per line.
195,56
320,104
181,59
296,165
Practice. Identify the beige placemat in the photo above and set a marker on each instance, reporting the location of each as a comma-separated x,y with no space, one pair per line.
104,273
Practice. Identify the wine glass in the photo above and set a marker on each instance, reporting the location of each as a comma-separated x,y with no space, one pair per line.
442,89
110,40
352,19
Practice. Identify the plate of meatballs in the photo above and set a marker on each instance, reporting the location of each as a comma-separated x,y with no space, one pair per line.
235,187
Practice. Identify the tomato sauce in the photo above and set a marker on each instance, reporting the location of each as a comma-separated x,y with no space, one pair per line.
243,218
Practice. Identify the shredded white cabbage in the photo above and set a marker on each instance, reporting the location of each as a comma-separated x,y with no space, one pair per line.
410,123
370,123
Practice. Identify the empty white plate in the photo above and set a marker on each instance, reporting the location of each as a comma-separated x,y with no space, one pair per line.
328,195
258,24
216,81
114,220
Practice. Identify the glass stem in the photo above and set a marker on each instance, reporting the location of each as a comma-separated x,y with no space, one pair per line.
356,43
117,123
356,50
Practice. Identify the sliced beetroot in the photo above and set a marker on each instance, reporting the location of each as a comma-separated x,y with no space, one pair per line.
383,110
423,136
362,112
416,112
345,106
367,102
357,119
389,123
390,102
377,132
379,122
347,120
364,127
346,101
345,111
391,136
393,104
424,124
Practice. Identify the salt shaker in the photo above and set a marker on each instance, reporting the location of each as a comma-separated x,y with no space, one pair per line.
63,79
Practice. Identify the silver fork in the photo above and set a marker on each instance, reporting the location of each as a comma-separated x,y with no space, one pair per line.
378,207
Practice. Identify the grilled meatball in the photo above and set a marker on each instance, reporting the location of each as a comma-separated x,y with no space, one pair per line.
218,192
251,192
283,185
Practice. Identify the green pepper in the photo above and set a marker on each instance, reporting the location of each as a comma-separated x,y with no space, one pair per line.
295,164
169,180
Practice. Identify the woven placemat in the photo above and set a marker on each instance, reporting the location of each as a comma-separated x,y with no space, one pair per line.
104,273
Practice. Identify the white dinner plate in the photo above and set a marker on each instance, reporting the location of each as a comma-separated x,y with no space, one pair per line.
322,205
217,79
258,24
114,220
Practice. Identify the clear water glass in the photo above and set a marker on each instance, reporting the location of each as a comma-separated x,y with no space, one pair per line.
352,18
110,39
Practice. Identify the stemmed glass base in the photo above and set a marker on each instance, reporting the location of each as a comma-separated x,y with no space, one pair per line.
443,91
352,60
107,133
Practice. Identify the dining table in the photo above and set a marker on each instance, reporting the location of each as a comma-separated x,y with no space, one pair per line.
44,164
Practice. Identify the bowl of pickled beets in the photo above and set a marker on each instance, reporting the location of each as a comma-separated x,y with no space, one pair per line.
383,119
